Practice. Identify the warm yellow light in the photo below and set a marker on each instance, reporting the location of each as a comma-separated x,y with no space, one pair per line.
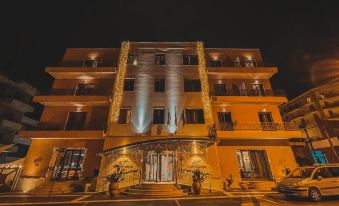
119,83
204,82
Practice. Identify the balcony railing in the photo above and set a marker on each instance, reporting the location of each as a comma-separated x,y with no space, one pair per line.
74,92
249,92
263,126
241,63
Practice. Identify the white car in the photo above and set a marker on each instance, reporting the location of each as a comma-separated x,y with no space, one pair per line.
313,182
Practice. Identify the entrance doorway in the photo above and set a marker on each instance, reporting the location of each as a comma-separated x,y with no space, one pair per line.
253,164
159,167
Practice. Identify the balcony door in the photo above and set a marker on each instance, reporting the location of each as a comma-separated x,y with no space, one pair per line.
84,89
266,121
258,89
225,121
220,90
75,121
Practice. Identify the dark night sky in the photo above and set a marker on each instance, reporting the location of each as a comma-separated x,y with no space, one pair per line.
300,37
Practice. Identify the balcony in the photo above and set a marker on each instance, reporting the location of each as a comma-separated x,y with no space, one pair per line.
16,105
257,130
9,125
85,73
55,131
247,95
72,97
249,69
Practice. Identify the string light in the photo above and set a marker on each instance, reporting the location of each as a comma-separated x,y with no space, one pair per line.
204,82
119,83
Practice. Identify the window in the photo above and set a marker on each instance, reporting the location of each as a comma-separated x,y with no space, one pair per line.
190,60
84,89
334,171
266,121
258,90
192,85
68,164
75,121
225,121
132,59
215,63
323,173
125,115
91,63
160,59
129,84
194,116
159,85
158,115
220,90
319,157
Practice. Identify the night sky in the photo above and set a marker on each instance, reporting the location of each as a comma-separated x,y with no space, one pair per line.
300,37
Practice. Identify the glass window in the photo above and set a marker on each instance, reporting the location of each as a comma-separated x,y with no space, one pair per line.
91,63
160,59
132,59
159,85
334,171
194,116
215,63
323,173
301,172
192,85
319,157
75,121
125,115
129,84
84,89
158,115
68,164
189,59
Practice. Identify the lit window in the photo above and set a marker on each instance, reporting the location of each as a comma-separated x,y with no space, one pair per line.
319,157
160,59
125,115
159,85
190,60
158,115
192,85
129,84
308,99
132,59
194,116
91,63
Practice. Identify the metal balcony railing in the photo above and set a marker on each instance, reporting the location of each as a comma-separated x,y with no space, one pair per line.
249,92
75,92
263,126
240,63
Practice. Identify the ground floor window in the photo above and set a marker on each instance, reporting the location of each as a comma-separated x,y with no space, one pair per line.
319,157
253,164
68,164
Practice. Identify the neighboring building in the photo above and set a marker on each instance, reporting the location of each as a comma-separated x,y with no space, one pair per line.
317,110
160,109
15,114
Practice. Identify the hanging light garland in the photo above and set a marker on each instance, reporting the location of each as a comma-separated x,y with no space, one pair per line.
119,83
204,82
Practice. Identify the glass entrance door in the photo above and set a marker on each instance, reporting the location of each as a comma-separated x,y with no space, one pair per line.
253,164
159,167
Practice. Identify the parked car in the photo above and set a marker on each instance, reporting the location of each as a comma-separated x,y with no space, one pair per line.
313,182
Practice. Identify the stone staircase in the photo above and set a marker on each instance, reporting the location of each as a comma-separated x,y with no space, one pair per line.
53,187
154,191
261,185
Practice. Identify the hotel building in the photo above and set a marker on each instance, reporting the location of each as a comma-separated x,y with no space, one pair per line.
160,109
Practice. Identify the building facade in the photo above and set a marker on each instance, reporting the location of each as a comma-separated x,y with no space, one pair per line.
317,111
160,110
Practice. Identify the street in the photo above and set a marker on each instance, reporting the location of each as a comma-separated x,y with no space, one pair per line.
226,199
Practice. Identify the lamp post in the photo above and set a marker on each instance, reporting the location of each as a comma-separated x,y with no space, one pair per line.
310,146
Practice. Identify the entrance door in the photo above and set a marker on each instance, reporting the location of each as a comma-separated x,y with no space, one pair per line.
253,164
159,167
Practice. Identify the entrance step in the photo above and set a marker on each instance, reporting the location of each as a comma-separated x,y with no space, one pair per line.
51,187
261,185
155,190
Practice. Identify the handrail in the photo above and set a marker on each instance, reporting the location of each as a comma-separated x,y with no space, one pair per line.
264,126
249,92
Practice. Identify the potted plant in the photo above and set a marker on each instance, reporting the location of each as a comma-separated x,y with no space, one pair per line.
113,179
197,178
243,185
228,183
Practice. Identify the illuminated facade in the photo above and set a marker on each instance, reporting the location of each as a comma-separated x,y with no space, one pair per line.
160,109
317,110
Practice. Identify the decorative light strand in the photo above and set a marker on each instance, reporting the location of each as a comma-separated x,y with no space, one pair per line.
119,83
204,82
